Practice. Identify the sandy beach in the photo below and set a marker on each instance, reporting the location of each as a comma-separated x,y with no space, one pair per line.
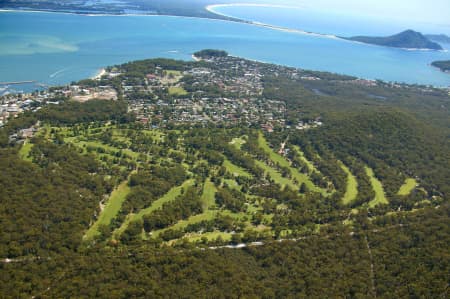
210,8
100,73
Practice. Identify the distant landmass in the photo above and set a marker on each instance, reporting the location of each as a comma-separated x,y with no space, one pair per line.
408,39
443,65
438,38
188,8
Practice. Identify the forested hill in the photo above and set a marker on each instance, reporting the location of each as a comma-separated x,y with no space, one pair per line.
439,38
228,178
408,39
443,65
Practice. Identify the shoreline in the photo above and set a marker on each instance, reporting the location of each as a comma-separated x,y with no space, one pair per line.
210,8
99,74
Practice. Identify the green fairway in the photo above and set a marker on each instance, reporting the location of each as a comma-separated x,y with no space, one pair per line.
235,170
407,187
211,236
276,176
278,159
169,196
111,209
208,199
352,186
107,148
380,197
182,224
238,142
173,73
308,163
24,152
178,91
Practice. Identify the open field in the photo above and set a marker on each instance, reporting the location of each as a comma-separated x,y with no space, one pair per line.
176,90
407,187
352,186
110,210
380,196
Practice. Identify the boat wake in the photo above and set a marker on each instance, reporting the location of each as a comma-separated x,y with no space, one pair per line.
57,73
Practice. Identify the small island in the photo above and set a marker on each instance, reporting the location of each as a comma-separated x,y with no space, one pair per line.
408,39
443,65
210,53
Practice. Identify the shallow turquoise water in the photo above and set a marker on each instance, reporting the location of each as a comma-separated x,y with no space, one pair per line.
59,48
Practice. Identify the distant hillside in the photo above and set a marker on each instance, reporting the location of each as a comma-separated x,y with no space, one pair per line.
438,38
444,65
407,39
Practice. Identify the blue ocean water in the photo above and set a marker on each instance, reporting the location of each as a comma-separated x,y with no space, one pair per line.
326,22
54,48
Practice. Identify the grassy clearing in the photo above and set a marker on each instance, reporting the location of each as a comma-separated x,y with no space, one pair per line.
235,170
380,197
352,186
177,91
208,196
408,187
169,196
24,152
110,211
238,142
173,73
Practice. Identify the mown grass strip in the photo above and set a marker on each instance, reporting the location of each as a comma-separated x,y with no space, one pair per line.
407,187
169,196
235,170
278,159
110,211
308,163
380,196
351,190
24,152
208,196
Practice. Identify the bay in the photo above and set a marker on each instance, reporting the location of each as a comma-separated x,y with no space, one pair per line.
54,48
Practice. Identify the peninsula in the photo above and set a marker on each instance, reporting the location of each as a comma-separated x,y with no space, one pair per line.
443,65
408,39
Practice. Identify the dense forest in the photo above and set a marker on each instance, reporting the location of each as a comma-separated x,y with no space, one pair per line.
97,204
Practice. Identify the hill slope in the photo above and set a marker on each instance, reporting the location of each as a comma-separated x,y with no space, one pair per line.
443,65
408,39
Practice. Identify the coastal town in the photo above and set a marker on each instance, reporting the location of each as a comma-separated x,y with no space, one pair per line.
214,89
